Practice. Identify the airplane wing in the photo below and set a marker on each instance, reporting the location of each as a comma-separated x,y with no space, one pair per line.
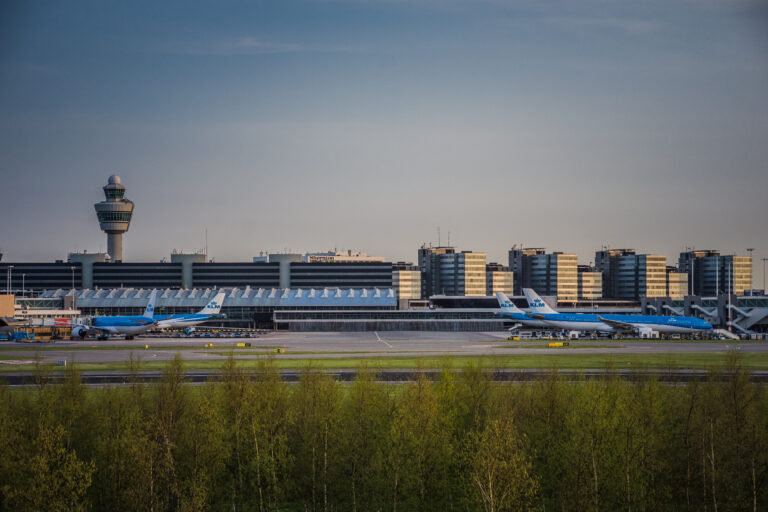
143,321
619,326
213,328
108,330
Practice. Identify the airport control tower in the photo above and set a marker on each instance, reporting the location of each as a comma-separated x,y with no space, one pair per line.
114,216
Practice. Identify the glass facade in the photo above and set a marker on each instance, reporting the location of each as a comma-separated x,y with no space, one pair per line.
606,262
137,275
519,265
554,274
499,281
629,276
368,274
462,273
41,276
114,193
652,276
114,216
567,277
590,284
713,274
677,283
255,275
407,283
429,267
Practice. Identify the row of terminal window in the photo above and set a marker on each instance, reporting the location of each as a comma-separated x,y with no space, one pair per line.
114,216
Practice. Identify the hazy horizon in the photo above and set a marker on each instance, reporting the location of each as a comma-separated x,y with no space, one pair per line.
367,124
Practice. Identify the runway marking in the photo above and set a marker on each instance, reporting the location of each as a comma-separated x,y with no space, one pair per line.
381,340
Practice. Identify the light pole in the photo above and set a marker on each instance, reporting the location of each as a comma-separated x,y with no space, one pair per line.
751,263
764,260
73,279
22,285
10,279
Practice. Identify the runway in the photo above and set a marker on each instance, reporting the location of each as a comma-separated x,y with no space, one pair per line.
322,345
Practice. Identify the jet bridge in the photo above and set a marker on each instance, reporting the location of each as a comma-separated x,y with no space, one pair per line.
747,315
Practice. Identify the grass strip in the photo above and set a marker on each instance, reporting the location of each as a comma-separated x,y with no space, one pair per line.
44,347
554,360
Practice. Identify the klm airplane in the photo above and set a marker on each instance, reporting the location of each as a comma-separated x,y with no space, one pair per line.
612,324
130,326
512,312
209,312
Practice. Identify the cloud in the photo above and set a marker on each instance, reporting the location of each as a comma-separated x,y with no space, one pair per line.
624,25
248,45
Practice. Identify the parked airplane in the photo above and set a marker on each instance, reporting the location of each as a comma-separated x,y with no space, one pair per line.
130,326
209,312
512,312
612,324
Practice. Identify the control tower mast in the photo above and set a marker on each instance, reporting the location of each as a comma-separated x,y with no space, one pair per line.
114,216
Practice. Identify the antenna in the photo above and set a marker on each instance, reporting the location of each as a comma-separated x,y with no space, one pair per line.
206,241
438,237
449,239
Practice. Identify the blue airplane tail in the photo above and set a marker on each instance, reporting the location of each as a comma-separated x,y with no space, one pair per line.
150,311
213,307
506,305
537,304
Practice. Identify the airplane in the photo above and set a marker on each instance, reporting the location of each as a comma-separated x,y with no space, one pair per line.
509,310
612,324
209,312
130,326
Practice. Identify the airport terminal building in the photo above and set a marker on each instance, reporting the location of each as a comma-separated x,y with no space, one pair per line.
345,290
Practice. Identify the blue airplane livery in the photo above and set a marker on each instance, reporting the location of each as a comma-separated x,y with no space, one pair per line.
209,312
612,324
105,326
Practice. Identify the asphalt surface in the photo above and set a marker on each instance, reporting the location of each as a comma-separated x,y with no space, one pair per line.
520,375
344,344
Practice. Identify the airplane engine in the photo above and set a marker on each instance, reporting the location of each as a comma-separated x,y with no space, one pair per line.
79,331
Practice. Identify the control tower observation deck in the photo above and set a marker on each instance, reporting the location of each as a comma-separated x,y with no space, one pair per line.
114,216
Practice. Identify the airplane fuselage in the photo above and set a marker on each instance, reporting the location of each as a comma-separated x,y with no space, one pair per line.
130,325
592,322
182,321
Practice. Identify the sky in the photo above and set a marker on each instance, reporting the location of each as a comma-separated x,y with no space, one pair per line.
370,124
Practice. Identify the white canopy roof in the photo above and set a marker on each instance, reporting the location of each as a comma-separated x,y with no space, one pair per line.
236,297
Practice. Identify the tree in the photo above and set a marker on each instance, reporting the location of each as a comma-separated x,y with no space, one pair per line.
501,472
235,393
316,403
269,419
123,451
168,413
47,475
365,422
591,458
419,449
